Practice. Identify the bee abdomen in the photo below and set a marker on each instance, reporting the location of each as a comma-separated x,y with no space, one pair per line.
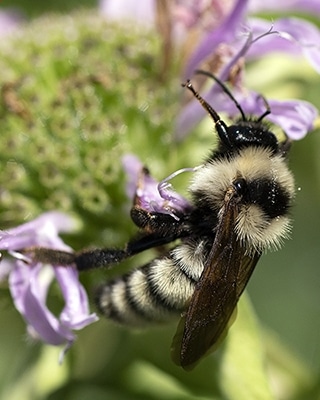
156,292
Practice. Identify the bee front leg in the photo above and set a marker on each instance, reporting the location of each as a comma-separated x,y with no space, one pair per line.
157,228
160,223
83,260
105,257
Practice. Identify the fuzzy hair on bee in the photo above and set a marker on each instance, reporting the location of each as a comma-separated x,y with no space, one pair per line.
240,207
262,221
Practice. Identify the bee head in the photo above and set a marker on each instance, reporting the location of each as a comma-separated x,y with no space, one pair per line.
248,133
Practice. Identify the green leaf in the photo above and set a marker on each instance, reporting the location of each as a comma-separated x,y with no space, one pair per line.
243,366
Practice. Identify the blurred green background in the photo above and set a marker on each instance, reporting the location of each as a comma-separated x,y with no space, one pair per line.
85,102
38,7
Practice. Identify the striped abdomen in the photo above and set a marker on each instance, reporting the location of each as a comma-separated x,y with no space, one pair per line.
157,291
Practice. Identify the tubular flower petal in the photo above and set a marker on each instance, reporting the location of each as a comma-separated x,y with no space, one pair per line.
29,282
149,194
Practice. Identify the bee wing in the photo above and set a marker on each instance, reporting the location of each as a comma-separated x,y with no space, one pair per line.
224,278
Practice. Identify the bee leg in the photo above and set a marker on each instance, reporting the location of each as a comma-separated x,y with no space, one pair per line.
96,258
156,222
158,229
84,260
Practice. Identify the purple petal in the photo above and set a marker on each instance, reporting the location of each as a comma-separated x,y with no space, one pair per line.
174,203
10,20
148,193
277,42
29,283
295,36
119,10
29,286
193,113
75,314
42,231
132,166
311,6
305,34
29,298
296,117
159,197
6,268
225,33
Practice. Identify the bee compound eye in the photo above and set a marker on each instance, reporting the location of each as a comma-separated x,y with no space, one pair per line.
240,186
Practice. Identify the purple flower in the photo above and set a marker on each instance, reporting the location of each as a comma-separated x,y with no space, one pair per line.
295,37
29,281
308,6
225,33
9,21
180,16
143,13
239,37
151,195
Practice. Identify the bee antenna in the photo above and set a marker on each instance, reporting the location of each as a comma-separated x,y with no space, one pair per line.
267,106
214,115
226,90
221,127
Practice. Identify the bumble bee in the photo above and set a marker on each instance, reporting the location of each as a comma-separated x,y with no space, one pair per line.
241,198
